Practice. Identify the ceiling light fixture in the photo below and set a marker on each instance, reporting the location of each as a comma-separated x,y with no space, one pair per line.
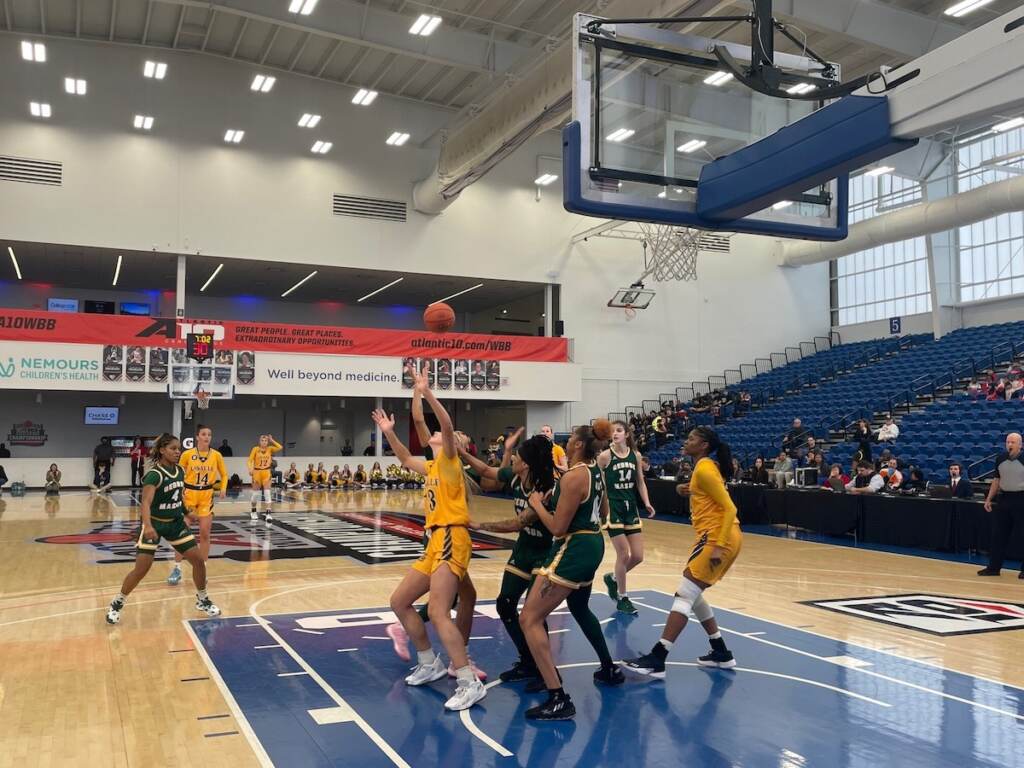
619,135
718,78
154,70
308,121
303,7
143,122
39,109
307,277
263,83
881,170
14,260
364,97
801,88
321,147
233,136
117,269
691,146
446,298
75,86
397,139
210,278
544,179
425,25
963,8
383,288
33,51
1009,125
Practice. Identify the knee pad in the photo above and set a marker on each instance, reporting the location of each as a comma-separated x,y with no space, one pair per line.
702,610
686,597
506,608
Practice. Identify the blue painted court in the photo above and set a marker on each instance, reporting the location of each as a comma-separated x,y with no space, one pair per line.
326,689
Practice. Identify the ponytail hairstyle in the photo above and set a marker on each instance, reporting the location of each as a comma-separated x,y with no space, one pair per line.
629,433
159,444
535,453
594,437
718,447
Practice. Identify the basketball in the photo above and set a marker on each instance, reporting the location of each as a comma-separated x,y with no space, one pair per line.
438,317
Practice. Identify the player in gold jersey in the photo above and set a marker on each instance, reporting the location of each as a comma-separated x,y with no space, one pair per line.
445,562
260,458
718,542
203,465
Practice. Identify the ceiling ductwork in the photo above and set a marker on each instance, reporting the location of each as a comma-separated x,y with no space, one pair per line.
927,218
536,101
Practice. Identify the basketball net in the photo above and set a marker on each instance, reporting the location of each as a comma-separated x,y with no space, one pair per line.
673,252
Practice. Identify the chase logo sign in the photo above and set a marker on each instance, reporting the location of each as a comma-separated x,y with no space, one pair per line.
934,614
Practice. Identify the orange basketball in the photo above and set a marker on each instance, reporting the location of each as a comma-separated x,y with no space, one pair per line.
438,317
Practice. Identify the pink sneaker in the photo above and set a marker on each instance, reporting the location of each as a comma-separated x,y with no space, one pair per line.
480,674
400,639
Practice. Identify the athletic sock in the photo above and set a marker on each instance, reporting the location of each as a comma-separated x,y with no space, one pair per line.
425,657
717,643
465,674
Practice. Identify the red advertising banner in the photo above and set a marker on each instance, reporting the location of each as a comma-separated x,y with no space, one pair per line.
77,328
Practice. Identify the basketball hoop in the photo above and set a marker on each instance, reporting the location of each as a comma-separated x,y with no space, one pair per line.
673,252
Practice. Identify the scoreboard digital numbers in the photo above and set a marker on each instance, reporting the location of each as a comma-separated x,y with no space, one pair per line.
199,346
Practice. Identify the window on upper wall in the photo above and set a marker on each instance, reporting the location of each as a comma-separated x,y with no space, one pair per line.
890,280
991,251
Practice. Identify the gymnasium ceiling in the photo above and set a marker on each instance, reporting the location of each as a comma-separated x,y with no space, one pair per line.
366,43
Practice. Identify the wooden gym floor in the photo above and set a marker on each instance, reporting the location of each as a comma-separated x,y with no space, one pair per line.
75,691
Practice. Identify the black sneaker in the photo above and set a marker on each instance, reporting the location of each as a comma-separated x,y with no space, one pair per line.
718,659
648,665
609,676
521,671
558,707
988,572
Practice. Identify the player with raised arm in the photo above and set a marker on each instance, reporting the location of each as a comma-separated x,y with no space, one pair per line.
445,563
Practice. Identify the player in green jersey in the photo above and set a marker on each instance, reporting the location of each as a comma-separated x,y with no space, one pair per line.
532,469
568,571
625,482
163,517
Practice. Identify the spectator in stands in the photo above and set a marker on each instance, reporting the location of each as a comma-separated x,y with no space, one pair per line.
866,481
890,472
137,457
888,431
862,436
225,449
835,471
795,438
916,483
53,476
959,483
782,473
758,474
4,453
1007,490
650,473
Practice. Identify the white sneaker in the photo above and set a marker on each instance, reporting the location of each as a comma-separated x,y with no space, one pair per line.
426,673
466,695
206,606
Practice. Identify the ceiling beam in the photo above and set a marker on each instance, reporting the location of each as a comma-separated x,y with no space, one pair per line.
903,33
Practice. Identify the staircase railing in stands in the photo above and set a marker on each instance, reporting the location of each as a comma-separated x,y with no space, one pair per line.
926,385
